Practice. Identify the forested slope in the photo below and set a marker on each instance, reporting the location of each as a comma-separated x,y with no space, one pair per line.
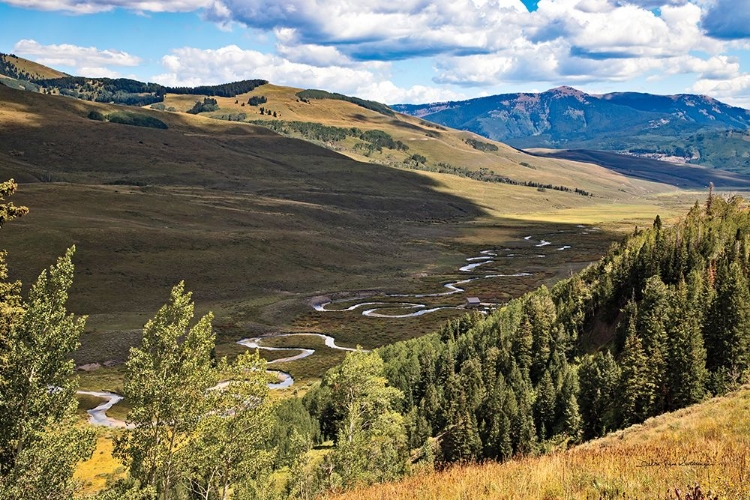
660,322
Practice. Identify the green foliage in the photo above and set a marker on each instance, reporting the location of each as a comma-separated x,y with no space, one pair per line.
257,100
293,433
208,104
306,95
128,118
166,381
373,140
8,211
418,162
481,146
191,435
370,435
231,117
40,443
228,450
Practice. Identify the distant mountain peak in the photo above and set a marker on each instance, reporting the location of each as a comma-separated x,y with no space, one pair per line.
567,118
566,91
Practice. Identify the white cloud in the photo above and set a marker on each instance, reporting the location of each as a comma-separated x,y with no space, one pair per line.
192,67
733,90
94,6
87,61
379,29
389,93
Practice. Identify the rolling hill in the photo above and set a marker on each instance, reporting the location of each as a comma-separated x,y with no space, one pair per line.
682,127
259,224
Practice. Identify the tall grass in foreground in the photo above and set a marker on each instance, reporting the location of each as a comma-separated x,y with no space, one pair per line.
708,444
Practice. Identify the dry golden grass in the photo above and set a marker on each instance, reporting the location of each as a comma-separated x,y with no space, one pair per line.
437,143
101,467
707,444
33,69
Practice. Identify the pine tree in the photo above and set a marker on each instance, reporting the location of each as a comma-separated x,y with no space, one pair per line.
687,355
599,378
728,324
544,406
635,394
652,330
568,415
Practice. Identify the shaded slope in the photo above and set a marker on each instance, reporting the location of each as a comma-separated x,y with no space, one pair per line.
239,212
679,175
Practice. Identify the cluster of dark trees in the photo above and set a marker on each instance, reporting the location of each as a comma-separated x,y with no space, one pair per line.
485,175
208,104
481,146
223,90
131,92
118,90
307,95
675,304
257,100
7,68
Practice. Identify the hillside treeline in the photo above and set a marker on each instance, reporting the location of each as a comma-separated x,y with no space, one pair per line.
662,321
133,92
307,95
484,174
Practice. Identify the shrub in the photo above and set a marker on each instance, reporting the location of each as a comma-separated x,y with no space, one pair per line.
96,115
128,118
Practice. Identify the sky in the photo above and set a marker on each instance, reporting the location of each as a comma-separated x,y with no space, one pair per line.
397,51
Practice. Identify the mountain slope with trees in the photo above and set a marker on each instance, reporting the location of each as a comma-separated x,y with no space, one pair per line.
659,323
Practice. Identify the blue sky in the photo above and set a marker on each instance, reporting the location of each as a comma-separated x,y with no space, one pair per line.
406,51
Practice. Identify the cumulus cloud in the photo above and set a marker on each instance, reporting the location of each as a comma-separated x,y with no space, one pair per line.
487,42
735,90
379,29
728,19
94,6
87,61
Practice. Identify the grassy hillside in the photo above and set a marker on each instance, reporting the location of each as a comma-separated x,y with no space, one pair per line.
437,144
258,224
20,68
708,444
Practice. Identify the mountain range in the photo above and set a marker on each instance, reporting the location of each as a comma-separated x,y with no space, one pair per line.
685,128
